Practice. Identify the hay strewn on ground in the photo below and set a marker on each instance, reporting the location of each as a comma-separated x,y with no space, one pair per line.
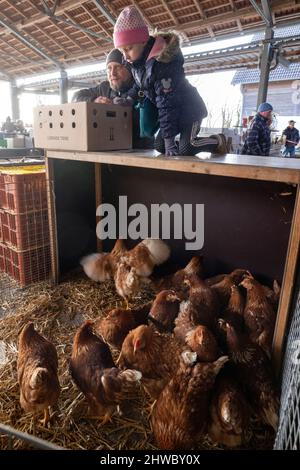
57,312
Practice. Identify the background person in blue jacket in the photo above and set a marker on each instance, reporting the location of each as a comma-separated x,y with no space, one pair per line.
292,139
157,68
258,140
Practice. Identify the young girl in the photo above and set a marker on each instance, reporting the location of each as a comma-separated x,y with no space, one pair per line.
157,68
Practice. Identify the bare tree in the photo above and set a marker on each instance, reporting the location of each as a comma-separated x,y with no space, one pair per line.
238,113
227,116
209,119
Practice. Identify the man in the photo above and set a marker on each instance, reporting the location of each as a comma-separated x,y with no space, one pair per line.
119,81
8,126
258,139
291,139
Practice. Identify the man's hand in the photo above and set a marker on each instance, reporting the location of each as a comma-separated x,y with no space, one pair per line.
103,100
123,101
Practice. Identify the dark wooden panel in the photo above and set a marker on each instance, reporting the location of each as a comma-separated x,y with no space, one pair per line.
75,211
247,223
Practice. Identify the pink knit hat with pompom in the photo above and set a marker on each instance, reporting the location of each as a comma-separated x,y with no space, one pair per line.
130,28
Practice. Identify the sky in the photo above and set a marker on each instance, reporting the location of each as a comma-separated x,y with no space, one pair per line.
215,88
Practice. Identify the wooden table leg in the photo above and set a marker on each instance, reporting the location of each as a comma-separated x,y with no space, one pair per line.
98,195
52,221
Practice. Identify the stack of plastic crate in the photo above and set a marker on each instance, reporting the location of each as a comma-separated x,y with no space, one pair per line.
24,227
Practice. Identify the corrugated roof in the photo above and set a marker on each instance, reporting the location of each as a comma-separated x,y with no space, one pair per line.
58,36
280,73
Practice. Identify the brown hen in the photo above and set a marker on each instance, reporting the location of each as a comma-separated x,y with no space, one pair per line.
101,267
201,308
229,413
180,414
176,281
273,295
165,309
259,315
236,276
234,313
95,374
255,372
37,372
137,265
223,287
155,355
202,341
115,327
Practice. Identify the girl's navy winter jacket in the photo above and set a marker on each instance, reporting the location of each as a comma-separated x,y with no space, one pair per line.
160,75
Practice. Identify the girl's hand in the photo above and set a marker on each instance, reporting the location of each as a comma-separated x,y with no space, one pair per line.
102,100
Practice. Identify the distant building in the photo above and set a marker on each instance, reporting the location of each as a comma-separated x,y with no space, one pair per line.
283,90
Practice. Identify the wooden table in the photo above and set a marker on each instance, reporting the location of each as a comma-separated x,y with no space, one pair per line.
241,171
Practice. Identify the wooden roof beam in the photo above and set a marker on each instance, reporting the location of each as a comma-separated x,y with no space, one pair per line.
71,4
50,38
239,25
72,58
238,21
38,10
134,3
211,32
90,38
17,51
40,29
57,26
29,44
111,7
40,17
10,2
6,62
105,12
31,68
176,22
263,11
199,8
69,22
222,18
96,20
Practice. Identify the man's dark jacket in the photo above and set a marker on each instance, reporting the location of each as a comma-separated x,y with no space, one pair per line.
258,140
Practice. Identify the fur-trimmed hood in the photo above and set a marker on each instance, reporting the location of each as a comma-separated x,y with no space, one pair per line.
166,46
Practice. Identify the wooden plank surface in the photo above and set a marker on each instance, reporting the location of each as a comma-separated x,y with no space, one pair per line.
238,166
287,286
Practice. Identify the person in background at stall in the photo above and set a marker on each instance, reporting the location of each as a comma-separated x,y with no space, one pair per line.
258,139
20,126
8,125
291,135
119,81
157,67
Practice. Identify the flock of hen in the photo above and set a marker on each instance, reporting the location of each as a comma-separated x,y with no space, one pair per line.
201,350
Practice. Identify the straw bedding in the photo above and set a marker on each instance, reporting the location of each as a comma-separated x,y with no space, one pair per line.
57,312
